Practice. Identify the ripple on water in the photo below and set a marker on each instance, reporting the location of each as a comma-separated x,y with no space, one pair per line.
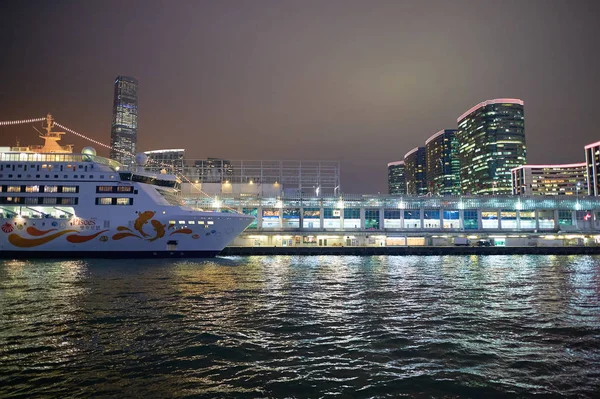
302,327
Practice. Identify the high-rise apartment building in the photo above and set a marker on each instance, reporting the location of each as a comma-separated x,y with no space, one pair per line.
123,135
415,164
563,179
443,167
592,160
396,180
491,142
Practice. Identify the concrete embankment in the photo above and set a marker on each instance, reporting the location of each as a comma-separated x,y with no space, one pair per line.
369,251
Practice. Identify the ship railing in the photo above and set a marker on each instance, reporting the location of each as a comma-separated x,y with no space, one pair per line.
45,157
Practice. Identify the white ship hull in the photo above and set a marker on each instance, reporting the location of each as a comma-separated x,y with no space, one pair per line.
145,235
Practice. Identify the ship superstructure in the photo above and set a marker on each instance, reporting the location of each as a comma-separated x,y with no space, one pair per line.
57,203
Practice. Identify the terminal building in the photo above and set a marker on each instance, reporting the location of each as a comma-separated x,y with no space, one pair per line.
561,179
383,220
396,178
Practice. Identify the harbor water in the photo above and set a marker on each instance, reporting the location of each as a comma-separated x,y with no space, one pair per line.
306,327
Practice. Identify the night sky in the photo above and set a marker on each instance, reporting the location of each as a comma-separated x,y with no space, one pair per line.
362,82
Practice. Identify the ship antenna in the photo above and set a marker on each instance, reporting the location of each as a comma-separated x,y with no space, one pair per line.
49,124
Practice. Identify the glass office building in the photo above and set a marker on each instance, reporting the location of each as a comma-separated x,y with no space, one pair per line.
396,180
415,164
123,136
172,160
443,167
491,142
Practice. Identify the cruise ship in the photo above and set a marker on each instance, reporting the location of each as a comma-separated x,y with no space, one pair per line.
56,203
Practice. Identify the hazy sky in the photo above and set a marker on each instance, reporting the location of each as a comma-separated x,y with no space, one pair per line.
362,82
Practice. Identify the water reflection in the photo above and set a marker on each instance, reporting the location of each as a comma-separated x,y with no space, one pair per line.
302,327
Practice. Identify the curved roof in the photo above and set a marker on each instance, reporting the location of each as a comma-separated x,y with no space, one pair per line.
488,102
395,163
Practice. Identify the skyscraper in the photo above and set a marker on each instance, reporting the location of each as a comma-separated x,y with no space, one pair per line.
443,167
416,171
491,142
123,135
396,181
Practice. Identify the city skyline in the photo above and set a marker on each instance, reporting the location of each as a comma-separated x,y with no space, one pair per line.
343,81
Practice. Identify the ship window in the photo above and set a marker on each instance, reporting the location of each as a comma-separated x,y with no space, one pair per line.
171,222
9,175
112,176
13,189
65,176
44,166
74,176
103,201
49,200
104,189
124,189
68,201
51,189
102,176
69,189
200,221
47,176
19,176
191,222
32,189
56,176
210,222
124,201
31,200
182,222
38,176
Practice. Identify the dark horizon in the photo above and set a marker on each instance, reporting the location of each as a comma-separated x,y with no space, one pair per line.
357,82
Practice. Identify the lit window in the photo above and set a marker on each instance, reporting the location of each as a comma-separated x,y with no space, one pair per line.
182,222
200,221
122,201
104,201
32,189
105,189
191,222
69,189
210,222
171,222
